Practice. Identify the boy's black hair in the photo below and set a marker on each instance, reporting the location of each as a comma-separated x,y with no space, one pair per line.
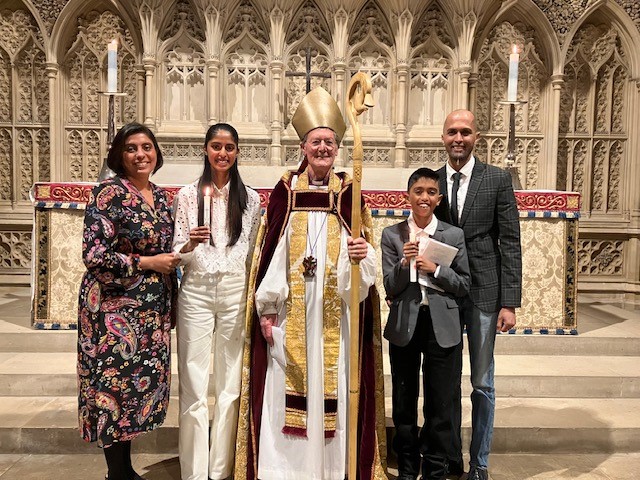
422,172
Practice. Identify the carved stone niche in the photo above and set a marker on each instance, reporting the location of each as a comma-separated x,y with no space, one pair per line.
15,254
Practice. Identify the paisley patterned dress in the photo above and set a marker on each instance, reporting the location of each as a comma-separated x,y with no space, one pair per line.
124,315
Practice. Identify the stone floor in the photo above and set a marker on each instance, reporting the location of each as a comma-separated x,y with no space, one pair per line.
166,467
596,320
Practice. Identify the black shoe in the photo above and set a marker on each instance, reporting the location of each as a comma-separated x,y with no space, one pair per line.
135,477
478,474
455,470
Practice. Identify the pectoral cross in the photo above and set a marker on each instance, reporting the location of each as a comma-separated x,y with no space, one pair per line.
307,73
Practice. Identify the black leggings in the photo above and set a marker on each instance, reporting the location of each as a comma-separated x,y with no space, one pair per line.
118,456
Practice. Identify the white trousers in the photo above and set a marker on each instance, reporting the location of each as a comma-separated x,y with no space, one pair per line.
211,317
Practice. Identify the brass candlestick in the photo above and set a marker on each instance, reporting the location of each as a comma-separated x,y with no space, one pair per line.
105,171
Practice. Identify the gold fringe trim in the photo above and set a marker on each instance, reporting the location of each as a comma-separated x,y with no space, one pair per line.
245,421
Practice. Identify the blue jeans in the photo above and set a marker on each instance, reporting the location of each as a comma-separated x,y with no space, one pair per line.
481,336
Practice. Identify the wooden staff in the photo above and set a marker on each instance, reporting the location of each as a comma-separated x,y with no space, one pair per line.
358,100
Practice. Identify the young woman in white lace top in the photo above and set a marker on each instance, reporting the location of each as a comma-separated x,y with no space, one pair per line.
216,243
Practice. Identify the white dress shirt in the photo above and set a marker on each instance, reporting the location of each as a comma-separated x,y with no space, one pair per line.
464,183
422,234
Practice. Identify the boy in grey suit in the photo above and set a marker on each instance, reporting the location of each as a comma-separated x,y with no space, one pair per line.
423,321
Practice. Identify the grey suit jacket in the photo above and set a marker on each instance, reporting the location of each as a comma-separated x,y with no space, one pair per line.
405,296
492,235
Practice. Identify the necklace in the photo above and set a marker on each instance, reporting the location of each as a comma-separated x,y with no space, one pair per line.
310,263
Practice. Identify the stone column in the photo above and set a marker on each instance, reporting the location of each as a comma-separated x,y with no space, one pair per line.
150,115
472,92
56,131
140,92
549,178
632,198
630,184
401,115
213,107
277,158
465,73
339,75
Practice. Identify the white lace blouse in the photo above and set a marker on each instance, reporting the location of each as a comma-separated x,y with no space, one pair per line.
209,259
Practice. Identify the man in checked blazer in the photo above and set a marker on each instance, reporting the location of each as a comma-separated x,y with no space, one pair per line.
423,322
479,199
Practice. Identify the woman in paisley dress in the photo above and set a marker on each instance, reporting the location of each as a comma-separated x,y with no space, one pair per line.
216,244
125,303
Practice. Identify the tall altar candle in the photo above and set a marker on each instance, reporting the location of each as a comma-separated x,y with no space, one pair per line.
207,207
512,85
112,67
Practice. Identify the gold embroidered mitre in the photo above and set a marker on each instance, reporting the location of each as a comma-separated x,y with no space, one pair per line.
318,109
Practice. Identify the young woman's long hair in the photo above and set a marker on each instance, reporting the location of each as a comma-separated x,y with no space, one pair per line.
237,203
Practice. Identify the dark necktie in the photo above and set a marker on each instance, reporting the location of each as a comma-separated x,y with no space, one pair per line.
454,198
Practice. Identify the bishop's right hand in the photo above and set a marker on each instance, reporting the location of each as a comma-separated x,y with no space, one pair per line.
266,322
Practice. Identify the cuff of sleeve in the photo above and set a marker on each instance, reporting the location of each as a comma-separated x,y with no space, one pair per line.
437,272
269,309
185,258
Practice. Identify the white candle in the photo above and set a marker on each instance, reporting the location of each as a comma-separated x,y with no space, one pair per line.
207,207
512,85
413,273
112,67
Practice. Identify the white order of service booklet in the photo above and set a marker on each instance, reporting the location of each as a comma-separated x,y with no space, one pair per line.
439,253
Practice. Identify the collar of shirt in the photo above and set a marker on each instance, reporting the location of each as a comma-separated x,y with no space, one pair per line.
427,231
421,235
221,192
465,171
319,183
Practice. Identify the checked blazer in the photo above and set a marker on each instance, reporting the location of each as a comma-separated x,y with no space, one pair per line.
492,235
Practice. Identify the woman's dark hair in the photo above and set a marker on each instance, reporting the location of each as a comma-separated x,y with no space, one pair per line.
237,203
114,157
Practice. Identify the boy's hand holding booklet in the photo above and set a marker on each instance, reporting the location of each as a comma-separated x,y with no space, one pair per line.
440,254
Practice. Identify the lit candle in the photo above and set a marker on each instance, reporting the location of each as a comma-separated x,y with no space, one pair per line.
512,86
207,207
112,67
413,273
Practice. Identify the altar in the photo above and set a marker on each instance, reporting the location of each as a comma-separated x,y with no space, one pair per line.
549,235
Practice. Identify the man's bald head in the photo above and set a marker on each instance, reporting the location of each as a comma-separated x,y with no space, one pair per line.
461,114
459,136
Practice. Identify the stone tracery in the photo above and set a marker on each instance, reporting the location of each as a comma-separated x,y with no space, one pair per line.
194,62
597,76
492,116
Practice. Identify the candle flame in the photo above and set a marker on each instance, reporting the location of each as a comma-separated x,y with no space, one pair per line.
515,49
207,191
